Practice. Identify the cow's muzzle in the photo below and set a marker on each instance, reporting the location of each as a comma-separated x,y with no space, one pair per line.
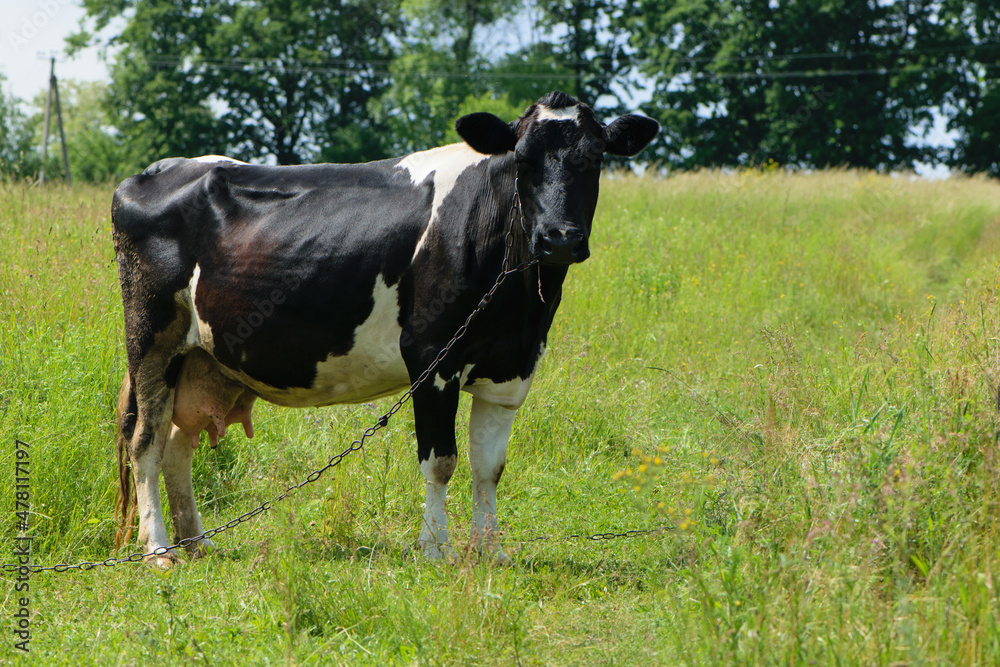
560,246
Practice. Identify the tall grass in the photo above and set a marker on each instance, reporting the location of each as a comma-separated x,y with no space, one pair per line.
795,375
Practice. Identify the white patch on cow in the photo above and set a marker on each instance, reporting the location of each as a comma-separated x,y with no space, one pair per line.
510,394
216,158
566,113
199,333
446,164
441,382
434,539
373,368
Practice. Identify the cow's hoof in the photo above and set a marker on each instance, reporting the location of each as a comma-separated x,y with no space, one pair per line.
164,561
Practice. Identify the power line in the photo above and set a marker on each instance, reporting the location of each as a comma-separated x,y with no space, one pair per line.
822,74
833,55
362,68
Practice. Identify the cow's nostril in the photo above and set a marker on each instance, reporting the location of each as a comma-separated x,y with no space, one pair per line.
561,247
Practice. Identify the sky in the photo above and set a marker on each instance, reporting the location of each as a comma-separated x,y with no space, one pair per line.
28,27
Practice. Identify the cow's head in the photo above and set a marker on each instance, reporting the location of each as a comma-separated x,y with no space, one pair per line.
558,146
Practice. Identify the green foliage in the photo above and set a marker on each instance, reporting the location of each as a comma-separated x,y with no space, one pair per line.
303,81
808,83
159,108
594,56
254,79
251,63
975,104
812,358
440,66
15,137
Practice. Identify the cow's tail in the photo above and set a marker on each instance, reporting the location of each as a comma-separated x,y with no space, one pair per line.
125,505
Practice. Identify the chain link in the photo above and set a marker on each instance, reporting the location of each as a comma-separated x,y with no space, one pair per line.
516,216
595,537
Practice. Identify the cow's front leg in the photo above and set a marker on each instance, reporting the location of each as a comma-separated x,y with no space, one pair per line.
434,408
177,459
489,432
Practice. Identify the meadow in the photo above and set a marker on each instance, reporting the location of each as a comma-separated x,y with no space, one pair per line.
792,378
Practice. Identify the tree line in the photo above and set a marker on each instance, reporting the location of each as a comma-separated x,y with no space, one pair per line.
802,83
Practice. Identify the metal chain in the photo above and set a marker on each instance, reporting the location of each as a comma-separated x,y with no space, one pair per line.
516,215
596,537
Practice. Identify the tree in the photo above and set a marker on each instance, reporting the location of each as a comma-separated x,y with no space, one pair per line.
291,71
160,109
807,82
16,155
440,68
973,101
590,50
257,79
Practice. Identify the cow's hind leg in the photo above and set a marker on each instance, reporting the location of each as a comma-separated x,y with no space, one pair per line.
146,451
489,431
434,410
177,458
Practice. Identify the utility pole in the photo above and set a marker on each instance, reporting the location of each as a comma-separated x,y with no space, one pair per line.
53,89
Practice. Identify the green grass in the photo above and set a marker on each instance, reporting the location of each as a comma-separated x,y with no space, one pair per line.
795,374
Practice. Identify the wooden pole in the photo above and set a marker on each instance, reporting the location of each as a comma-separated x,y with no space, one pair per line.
62,135
45,132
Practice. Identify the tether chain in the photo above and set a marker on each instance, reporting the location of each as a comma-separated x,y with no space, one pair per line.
516,215
596,537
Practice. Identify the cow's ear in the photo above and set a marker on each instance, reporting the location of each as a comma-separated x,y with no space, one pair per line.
629,134
486,133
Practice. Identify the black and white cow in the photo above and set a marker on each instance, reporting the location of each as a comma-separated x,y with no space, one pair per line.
315,285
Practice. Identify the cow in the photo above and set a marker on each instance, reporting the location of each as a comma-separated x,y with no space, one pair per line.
313,285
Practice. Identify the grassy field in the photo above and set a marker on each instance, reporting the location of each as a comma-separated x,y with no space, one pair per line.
795,375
